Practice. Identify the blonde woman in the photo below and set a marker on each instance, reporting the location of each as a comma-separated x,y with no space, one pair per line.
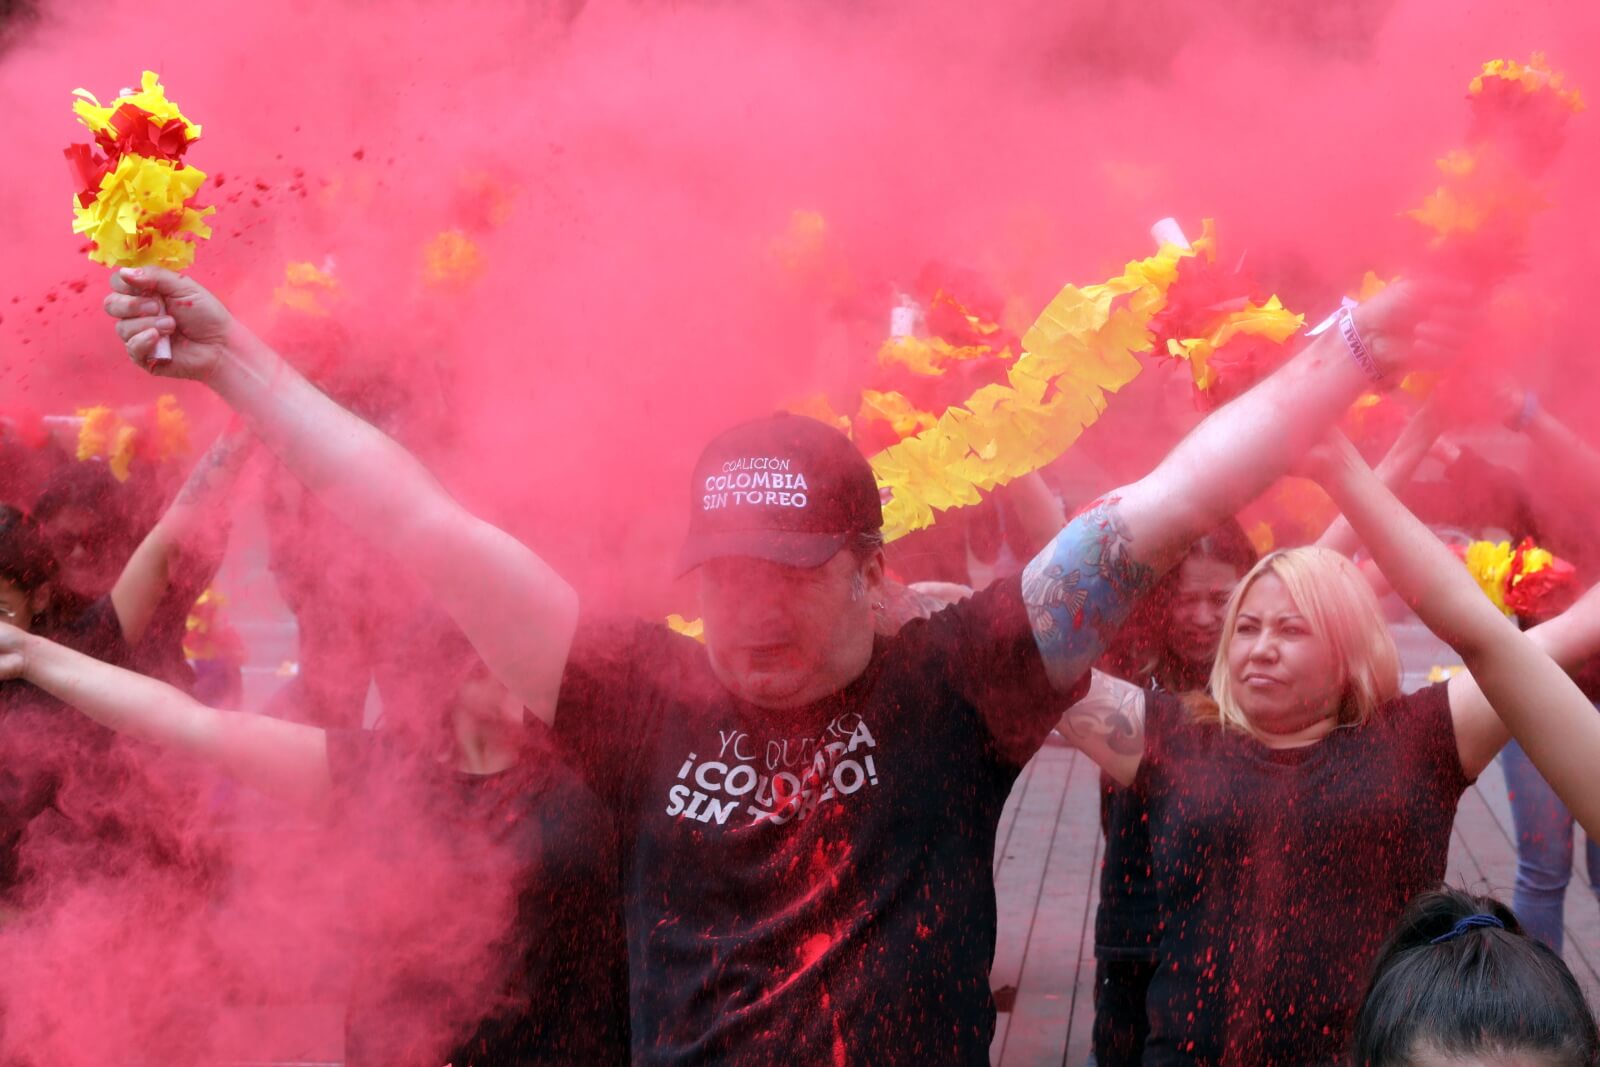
1294,813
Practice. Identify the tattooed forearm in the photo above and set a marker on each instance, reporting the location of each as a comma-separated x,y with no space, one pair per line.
216,470
1080,588
1111,716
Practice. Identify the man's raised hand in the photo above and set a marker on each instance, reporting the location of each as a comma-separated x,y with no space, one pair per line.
195,321
1420,323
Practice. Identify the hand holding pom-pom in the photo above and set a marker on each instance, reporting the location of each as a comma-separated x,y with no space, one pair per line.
1420,323
151,304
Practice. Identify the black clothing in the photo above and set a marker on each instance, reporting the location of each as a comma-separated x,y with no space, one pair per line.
1127,923
505,946
44,744
813,885
1121,1024
1280,872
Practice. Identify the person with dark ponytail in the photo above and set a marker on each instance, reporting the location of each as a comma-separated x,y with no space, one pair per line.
1459,983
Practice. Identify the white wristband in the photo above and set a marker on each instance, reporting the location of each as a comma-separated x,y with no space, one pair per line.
1352,338
1358,348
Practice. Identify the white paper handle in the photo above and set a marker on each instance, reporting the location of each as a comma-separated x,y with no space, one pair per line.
903,318
1168,232
163,352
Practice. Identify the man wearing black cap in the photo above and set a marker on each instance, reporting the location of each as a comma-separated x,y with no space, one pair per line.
808,812
774,506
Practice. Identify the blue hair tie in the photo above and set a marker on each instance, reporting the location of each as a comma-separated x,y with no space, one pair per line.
1471,922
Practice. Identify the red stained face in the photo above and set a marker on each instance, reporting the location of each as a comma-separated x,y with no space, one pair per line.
784,636
1199,604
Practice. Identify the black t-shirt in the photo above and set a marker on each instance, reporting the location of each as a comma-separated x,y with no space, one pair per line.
46,745
506,946
1127,922
813,885
93,630
1280,872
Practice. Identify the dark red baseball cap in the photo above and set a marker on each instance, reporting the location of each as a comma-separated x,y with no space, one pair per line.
785,488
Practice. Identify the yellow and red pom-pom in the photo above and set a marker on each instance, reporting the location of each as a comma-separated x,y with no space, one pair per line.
135,198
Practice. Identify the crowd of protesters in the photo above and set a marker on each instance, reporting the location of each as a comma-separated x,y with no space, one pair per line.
776,844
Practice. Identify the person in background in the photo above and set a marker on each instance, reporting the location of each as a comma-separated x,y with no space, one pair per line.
62,779
836,903
1460,983
92,524
495,934
347,607
1477,494
1544,825
1168,645
1561,481
1546,830
179,558
129,590
352,612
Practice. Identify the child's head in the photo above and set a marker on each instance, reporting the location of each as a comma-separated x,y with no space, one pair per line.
1458,983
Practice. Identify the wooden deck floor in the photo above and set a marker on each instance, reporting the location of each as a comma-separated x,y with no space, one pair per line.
1046,863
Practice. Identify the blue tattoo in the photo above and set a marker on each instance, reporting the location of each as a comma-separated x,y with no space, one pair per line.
1079,590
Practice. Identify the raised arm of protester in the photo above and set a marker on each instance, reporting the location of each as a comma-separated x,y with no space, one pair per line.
284,759
1037,510
517,612
1081,587
1517,675
190,537
1554,439
1395,470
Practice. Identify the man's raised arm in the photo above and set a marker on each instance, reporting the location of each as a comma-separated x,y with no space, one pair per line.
518,613
1084,583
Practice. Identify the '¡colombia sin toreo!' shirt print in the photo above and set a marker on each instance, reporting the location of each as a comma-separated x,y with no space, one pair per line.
754,781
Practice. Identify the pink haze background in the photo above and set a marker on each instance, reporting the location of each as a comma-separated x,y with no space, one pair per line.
643,287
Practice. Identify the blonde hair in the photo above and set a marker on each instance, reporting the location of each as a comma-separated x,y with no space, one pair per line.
1341,609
